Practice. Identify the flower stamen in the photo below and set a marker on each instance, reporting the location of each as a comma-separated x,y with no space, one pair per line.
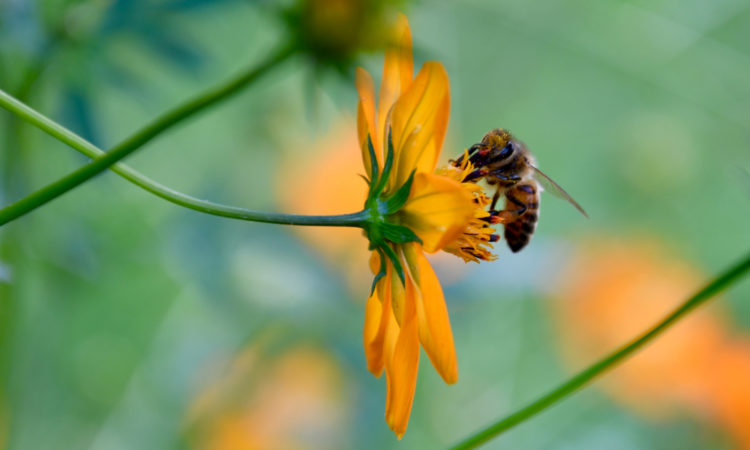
475,242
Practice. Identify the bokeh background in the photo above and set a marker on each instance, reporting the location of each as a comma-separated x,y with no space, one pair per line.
128,322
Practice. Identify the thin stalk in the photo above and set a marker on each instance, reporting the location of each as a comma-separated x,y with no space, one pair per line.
138,139
722,282
85,147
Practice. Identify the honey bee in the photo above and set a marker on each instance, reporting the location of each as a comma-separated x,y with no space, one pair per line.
504,161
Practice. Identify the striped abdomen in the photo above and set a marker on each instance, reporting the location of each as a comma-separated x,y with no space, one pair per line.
522,198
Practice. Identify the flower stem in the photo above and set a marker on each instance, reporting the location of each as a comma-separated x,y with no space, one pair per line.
573,384
135,141
85,147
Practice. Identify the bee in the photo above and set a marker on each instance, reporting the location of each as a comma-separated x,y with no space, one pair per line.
504,161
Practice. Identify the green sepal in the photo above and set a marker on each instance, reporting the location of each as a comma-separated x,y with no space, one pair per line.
373,167
398,234
397,200
380,232
396,263
386,169
381,273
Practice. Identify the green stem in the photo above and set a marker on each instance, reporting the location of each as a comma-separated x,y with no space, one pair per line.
66,136
569,387
137,140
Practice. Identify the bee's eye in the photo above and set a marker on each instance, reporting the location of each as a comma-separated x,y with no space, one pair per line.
506,151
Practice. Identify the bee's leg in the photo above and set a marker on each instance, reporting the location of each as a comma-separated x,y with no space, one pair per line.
509,214
471,152
508,179
495,198
475,175
473,149
478,155
502,180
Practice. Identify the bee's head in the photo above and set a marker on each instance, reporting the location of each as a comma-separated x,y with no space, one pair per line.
501,148
502,155
497,148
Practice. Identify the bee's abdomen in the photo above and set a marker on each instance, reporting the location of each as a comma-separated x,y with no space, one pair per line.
525,197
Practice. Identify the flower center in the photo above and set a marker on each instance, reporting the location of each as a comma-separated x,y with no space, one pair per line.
475,243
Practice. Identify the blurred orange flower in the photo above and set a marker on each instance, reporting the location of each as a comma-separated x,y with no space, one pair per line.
294,400
611,292
730,389
335,32
324,180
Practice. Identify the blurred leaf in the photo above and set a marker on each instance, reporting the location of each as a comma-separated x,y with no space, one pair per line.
77,108
192,5
170,46
745,174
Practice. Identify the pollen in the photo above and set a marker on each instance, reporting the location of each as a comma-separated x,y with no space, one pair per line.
475,243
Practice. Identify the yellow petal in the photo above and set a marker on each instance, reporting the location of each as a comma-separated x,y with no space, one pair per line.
403,50
398,294
375,262
438,210
381,330
432,315
401,370
398,70
390,331
418,123
366,118
373,348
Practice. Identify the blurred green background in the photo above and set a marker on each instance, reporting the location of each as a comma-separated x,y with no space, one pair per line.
121,315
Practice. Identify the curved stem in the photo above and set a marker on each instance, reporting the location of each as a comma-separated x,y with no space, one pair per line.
136,140
80,144
569,387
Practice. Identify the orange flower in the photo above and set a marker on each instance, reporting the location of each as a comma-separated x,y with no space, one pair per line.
292,396
335,32
730,390
612,292
403,136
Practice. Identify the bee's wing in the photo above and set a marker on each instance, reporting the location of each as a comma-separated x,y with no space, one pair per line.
556,190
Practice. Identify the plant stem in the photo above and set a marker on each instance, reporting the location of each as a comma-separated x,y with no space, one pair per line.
136,140
569,387
80,144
